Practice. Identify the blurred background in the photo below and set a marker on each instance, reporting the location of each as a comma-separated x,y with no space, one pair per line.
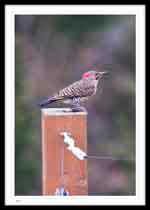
52,51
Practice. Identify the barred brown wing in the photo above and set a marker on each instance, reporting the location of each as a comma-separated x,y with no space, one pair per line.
80,88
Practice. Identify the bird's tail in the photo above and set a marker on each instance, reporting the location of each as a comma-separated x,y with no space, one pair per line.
49,101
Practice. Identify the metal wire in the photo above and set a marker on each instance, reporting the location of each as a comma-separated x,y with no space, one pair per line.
107,158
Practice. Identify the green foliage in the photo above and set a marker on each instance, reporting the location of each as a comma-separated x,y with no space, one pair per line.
26,164
74,25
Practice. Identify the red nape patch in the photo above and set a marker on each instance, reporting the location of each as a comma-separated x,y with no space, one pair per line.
86,75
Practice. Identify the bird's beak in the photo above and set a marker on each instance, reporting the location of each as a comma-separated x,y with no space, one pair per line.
100,74
103,72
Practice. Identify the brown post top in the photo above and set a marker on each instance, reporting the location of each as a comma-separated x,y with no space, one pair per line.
61,168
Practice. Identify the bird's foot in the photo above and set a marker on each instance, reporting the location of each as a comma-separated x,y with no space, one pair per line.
78,109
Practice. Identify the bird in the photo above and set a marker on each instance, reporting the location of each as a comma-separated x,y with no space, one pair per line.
77,92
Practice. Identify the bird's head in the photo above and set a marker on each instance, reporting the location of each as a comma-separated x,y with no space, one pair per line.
93,75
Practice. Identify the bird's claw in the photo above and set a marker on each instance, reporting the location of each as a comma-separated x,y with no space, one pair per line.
78,109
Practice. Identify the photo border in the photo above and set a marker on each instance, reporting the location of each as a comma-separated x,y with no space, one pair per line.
10,12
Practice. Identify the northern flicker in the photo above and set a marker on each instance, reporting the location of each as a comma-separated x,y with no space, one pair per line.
77,92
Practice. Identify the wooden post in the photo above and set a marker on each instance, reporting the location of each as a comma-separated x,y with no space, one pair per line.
59,165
